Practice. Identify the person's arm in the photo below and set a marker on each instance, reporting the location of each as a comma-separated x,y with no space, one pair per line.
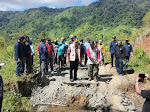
88,53
131,50
103,50
138,91
110,47
98,55
68,54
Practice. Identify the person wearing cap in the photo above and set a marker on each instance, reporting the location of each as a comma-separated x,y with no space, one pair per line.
102,50
112,47
120,54
129,50
19,55
72,39
50,49
28,57
1,88
32,54
82,51
86,44
61,52
43,56
73,54
93,61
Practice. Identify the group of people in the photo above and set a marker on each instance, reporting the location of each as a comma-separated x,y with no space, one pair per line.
81,53
24,53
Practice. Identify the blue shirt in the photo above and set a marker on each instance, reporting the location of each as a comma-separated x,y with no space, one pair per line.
43,51
61,48
18,51
86,44
112,46
32,50
128,48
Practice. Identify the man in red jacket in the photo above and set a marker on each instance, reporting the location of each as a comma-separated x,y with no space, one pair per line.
50,49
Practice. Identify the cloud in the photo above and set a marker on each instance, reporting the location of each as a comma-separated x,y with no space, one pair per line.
25,4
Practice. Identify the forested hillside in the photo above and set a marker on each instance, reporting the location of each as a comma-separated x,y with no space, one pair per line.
120,16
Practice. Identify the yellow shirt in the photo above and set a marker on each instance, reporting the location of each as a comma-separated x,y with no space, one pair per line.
102,48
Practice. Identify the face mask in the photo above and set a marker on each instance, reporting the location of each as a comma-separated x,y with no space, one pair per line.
26,43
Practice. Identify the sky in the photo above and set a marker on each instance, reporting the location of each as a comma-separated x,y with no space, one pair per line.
20,5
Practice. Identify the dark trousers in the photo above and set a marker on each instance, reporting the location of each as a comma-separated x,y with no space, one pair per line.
127,62
1,101
112,58
55,60
85,59
61,60
49,61
74,66
119,66
82,59
28,64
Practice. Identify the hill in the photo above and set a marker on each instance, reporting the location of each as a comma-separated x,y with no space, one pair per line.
83,21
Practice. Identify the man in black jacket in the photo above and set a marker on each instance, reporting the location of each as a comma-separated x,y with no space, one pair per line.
120,54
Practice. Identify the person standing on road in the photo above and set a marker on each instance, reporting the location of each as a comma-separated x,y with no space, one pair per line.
93,61
50,49
73,54
129,50
19,55
86,44
112,47
1,88
43,56
144,93
120,54
61,52
82,51
102,50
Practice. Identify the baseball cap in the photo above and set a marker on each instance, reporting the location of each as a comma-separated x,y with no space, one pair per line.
100,40
21,37
2,64
81,40
114,37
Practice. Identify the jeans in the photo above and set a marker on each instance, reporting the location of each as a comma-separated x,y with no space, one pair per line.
93,69
18,68
127,62
112,58
74,66
49,60
119,66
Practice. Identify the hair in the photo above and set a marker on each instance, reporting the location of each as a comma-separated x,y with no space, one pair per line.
120,41
88,39
95,42
42,40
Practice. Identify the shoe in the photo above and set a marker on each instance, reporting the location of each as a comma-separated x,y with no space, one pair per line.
71,80
75,78
90,78
95,79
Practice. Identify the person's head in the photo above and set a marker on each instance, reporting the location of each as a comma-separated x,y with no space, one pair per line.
1,64
92,44
43,40
127,41
30,43
95,43
88,39
72,37
100,42
119,43
21,38
114,38
75,42
48,40
27,39
62,39
81,41
75,38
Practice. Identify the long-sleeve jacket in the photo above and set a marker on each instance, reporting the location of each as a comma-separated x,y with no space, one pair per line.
50,48
61,48
120,52
129,48
43,51
112,46
18,51
93,53
102,48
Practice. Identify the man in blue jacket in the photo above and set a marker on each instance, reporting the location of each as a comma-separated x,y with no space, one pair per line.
19,55
112,47
43,56
129,50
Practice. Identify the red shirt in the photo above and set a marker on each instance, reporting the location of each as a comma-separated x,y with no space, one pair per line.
50,49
